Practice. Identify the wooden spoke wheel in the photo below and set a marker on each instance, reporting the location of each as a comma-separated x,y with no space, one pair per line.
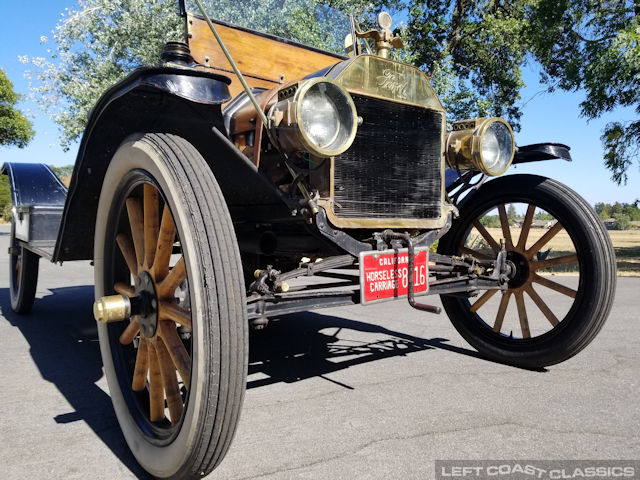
563,271
23,275
177,369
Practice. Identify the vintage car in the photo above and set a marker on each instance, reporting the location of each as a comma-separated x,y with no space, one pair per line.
217,190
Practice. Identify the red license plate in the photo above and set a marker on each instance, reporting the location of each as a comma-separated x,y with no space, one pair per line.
384,274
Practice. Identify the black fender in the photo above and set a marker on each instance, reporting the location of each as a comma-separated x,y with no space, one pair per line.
37,197
180,101
542,151
33,184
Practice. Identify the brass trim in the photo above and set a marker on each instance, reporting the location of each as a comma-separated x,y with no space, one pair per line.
367,222
112,308
341,222
287,111
464,145
383,39
418,90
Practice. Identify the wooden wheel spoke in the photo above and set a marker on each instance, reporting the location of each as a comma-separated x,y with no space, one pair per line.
124,289
171,311
526,226
156,388
522,314
136,219
142,366
502,309
176,349
128,252
552,262
474,253
170,382
484,298
545,282
130,332
552,232
175,277
487,236
151,223
165,245
544,308
504,223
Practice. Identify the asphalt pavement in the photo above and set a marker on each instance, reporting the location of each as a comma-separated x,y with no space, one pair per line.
376,392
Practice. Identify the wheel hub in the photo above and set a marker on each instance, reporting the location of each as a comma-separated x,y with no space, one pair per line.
148,304
519,271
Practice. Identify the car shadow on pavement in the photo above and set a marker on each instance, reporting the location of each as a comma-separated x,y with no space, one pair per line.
305,345
64,346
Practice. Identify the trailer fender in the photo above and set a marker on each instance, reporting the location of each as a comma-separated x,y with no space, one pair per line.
37,197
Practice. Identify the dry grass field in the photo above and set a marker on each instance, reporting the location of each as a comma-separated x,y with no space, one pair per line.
625,242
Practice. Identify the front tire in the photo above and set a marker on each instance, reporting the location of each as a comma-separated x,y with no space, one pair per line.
586,250
176,373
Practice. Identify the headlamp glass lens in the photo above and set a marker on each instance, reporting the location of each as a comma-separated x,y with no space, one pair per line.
497,147
320,117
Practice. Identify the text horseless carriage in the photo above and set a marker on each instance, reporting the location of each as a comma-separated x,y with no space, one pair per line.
212,207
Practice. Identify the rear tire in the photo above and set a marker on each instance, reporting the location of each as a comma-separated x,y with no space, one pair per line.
23,275
181,427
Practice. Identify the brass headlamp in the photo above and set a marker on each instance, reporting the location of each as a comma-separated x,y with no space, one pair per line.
484,144
316,116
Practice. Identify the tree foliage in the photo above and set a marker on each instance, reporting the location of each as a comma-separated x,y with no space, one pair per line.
473,50
607,210
622,222
95,46
306,21
62,172
15,128
5,198
594,45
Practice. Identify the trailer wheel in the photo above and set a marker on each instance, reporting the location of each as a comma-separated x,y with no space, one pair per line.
177,371
23,275
541,319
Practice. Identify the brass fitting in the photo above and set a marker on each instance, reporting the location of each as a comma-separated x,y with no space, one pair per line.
112,308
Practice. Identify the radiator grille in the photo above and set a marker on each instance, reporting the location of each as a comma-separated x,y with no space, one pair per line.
393,168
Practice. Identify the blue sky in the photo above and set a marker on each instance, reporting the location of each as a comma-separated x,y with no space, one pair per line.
546,117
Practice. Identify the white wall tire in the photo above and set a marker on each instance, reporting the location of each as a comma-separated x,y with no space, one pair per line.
192,444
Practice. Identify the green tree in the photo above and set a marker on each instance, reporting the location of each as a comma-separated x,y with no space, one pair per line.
5,198
543,216
616,209
490,221
15,128
632,211
473,51
62,172
102,41
593,45
95,46
603,210
622,222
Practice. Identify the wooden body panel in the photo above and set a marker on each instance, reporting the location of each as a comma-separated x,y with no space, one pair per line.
265,61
